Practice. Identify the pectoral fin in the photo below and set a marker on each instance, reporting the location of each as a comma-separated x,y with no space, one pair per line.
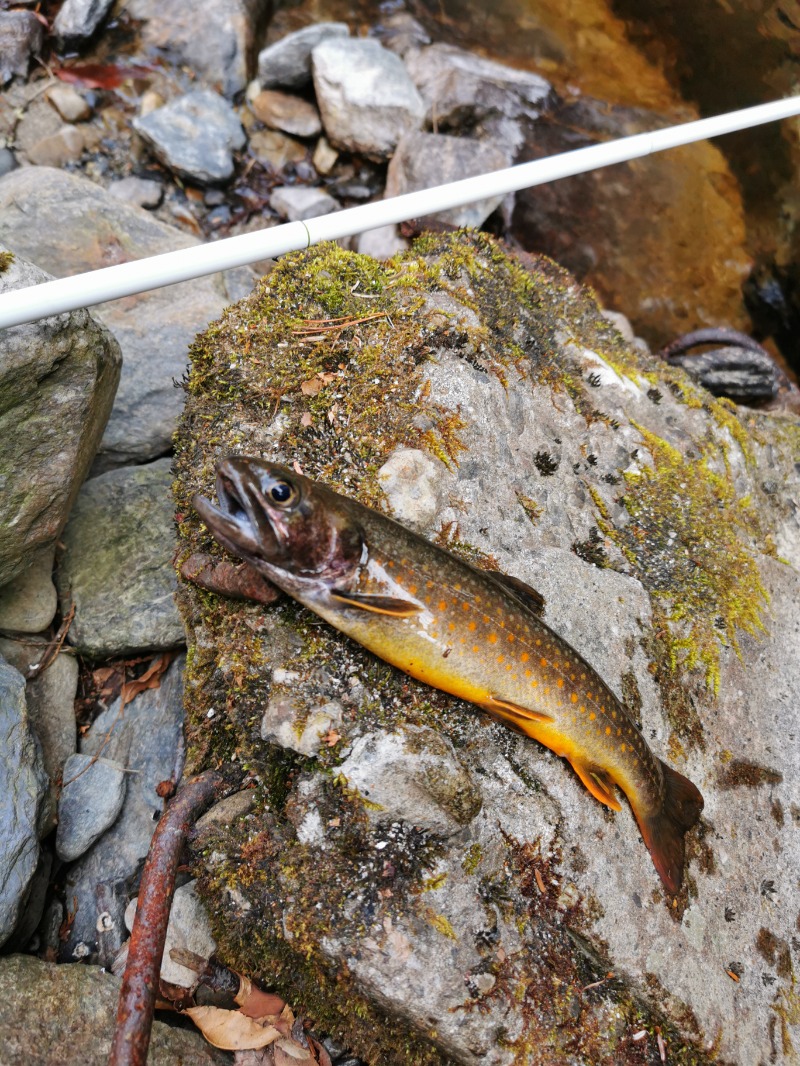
598,782
532,599
513,711
389,605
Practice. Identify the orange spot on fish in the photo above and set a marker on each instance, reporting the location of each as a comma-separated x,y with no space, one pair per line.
412,589
574,698
510,637
451,626
471,627
475,648
524,657
560,681
592,716
427,599
492,638
465,606
486,618
501,658
608,730
622,748
543,662
582,708
527,673
442,605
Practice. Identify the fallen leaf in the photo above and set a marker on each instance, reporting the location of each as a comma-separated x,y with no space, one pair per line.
231,1030
151,678
306,420
257,1004
100,75
311,387
287,1053
331,737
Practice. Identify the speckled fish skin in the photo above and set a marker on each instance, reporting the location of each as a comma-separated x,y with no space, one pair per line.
454,627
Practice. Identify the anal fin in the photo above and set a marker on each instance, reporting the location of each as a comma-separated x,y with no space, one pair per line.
389,605
598,782
514,711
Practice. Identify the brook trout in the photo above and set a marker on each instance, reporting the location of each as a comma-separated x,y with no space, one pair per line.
473,633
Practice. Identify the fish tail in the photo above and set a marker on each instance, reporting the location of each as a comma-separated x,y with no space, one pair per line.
664,831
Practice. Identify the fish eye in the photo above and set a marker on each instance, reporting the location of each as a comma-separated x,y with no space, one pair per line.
281,492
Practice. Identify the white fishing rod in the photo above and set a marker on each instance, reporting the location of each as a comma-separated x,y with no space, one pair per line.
127,279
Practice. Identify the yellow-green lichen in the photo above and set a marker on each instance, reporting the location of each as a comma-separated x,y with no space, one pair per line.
6,259
686,540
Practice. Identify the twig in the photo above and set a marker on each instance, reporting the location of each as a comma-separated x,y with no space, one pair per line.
137,995
54,647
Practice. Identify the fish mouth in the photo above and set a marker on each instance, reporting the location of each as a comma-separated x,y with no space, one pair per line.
242,522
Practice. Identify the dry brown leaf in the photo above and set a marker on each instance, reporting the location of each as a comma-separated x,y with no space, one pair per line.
306,420
257,1004
287,1053
231,1030
151,678
311,387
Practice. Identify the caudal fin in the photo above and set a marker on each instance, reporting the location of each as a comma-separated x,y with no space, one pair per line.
664,832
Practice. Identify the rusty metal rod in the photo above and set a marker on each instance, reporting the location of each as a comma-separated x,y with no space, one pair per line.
137,995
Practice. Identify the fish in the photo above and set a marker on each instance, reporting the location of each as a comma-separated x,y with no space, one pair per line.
476,634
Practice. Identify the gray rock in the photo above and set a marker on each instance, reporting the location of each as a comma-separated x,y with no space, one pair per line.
28,603
415,486
215,41
91,799
194,135
143,192
365,95
423,160
325,156
68,101
147,740
188,930
287,62
298,202
21,36
624,507
288,725
116,568
57,381
22,788
276,149
292,114
400,32
64,1016
80,18
67,224
64,146
461,88
226,811
415,776
34,906
7,161
381,243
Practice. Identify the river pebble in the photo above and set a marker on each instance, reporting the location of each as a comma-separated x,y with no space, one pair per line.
298,202
91,799
287,62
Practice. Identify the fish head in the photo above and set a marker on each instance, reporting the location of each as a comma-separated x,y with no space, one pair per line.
293,530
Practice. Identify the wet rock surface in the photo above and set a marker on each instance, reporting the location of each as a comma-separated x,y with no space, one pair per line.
528,880
146,740
365,95
22,789
194,135
91,799
287,62
58,377
81,227
80,18
116,568
50,1015
28,603
21,38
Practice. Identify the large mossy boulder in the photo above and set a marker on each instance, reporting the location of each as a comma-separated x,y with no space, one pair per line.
430,886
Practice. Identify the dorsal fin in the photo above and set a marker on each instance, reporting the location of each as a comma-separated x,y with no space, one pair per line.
532,599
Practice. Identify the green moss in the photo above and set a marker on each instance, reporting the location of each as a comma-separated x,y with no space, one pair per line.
472,859
6,259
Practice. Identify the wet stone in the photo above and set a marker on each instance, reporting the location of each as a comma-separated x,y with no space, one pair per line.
298,202
143,192
365,95
287,62
64,146
21,37
28,603
68,101
116,566
78,1022
189,930
22,789
281,111
147,740
423,160
91,799
194,135
276,149
325,156
80,18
